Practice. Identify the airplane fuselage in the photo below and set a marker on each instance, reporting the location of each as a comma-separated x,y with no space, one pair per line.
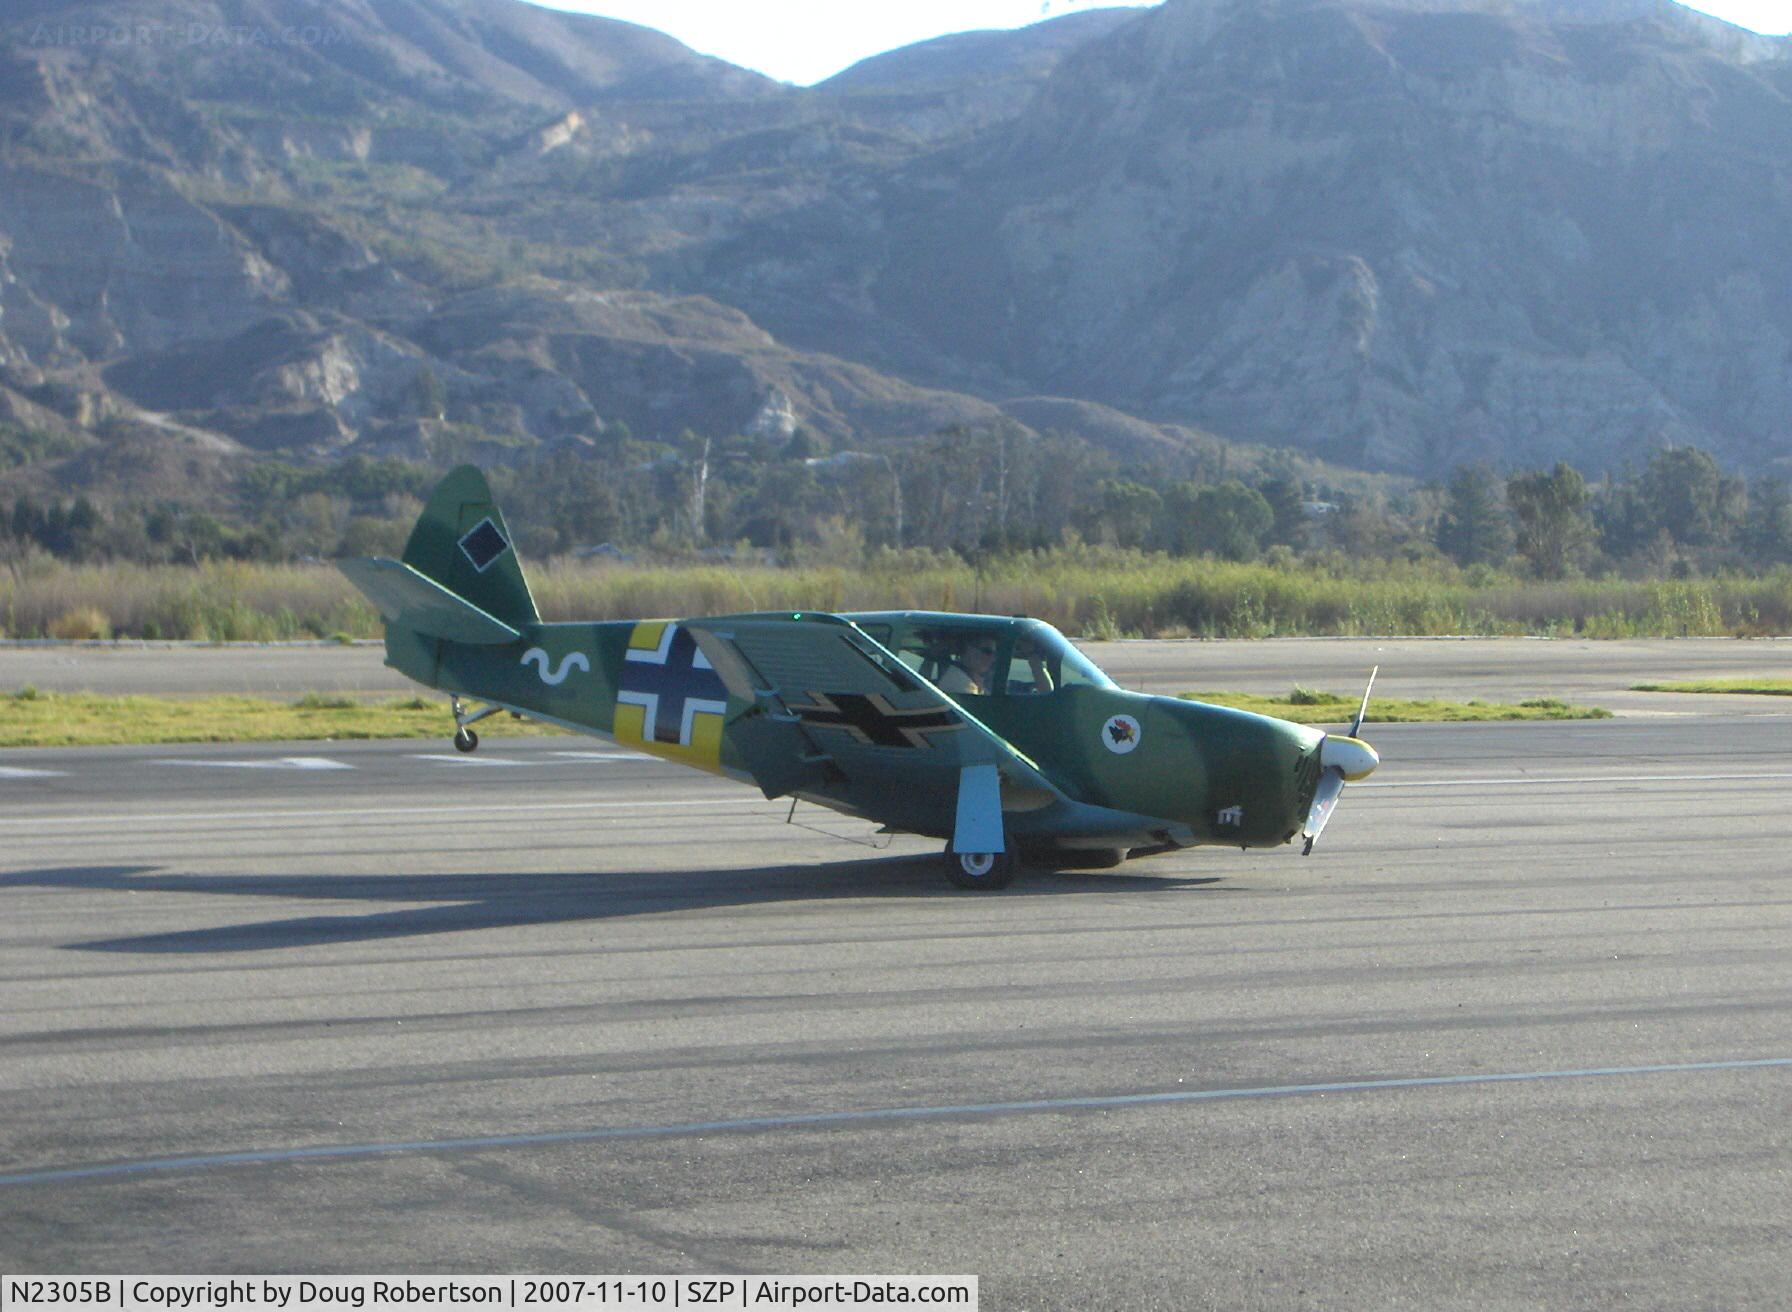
1145,770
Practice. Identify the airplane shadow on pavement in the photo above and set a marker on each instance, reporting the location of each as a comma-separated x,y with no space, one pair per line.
464,902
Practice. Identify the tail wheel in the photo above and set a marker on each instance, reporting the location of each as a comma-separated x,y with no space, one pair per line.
982,871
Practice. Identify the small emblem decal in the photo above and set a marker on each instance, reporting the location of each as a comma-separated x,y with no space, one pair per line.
1232,815
1120,734
483,544
572,660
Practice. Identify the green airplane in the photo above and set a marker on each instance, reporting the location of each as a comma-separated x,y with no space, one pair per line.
992,733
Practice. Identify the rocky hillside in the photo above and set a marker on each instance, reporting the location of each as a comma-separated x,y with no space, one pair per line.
1394,234
1400,235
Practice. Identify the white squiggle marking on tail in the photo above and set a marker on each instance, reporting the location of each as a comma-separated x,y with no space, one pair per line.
540,659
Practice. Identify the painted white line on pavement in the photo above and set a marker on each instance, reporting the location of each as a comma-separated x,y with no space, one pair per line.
584,758
812,1120
465,758
607,756
1574,779
277,763
20,772
338,813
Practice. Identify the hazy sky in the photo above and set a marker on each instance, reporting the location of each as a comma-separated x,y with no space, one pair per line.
804,41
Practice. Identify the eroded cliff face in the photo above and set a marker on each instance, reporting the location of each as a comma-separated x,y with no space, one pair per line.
128,263
1397,234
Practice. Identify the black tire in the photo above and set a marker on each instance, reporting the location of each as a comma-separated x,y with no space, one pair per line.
465,740
982,872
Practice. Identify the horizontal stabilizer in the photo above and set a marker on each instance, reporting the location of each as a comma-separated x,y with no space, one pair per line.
413,601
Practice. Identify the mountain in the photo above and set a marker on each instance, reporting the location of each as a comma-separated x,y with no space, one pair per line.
232,229
1391,234
964,57
955,85
1400,235
341,54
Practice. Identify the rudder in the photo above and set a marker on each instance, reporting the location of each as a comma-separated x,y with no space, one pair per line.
462,543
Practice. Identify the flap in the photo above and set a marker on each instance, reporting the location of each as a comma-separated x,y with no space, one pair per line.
860,707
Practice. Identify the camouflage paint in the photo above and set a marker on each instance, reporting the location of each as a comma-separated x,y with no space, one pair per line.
1231,777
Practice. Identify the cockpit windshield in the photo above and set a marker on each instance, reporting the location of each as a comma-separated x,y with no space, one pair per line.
985,657
1044,660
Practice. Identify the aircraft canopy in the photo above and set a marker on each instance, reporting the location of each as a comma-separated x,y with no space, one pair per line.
984,655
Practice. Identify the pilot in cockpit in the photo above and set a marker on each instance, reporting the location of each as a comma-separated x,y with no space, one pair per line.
970,666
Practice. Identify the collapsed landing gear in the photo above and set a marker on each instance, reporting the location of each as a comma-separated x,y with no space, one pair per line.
982,871
465,740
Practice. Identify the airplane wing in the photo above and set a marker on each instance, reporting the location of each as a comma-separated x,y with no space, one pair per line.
832,709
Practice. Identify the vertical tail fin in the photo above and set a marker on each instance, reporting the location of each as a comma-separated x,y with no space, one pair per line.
462,543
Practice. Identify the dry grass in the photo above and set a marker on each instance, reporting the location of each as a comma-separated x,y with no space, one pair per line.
1084,591
216,602
82,624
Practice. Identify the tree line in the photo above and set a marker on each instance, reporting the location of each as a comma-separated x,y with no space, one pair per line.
972,492
1680,515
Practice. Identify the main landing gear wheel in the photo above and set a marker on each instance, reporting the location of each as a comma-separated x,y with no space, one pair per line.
465,740
982,871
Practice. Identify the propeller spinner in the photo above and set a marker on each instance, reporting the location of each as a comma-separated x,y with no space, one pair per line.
1343,758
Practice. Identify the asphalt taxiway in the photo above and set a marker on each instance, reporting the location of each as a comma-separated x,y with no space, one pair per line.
1518,1034
1495,669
